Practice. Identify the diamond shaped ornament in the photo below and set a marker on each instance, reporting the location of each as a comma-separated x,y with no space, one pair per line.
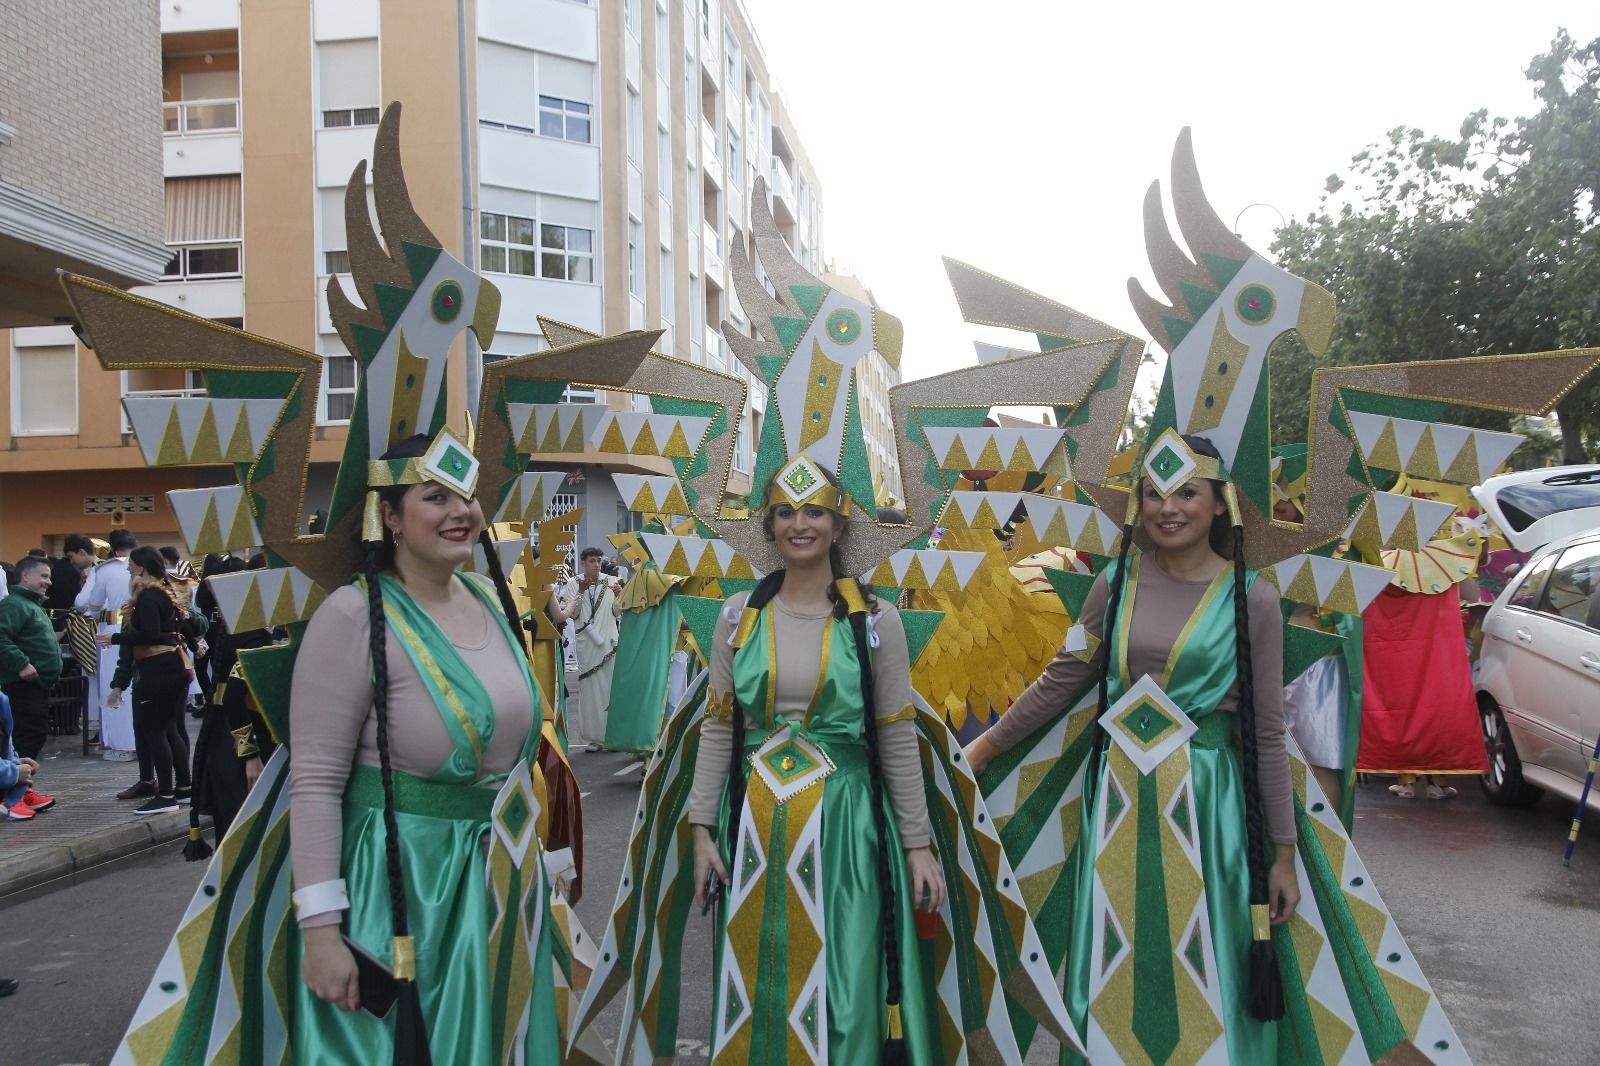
1169,463
801,478
788,764
451,463
1147,725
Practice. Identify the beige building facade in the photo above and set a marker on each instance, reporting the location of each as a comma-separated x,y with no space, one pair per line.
600,178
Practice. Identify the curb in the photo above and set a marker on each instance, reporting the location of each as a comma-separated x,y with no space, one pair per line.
92,849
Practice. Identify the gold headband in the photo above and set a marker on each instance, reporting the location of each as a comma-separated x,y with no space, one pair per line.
803,484
1170,463
447,462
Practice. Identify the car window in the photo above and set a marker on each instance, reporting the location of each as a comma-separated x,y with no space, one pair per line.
1527,594
1573,582
1523,505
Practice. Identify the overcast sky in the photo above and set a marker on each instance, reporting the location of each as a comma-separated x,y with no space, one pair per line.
1020,135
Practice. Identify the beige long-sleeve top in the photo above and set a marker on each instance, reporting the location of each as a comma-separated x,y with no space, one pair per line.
799,643
1160,609
334,729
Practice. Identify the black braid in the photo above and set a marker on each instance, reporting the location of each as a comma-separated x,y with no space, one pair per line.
1266,985
893,1047
378,639
508,603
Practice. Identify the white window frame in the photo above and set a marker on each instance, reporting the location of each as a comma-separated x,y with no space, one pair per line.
572,255
341,118
324,418
17,398
181,254
569,112
504,245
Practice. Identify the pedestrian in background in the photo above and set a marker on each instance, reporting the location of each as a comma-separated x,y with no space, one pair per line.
30,655
591,603
161,676
67,573
103,596
17,775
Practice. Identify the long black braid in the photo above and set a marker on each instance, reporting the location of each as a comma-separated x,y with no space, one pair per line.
1266,984
508,603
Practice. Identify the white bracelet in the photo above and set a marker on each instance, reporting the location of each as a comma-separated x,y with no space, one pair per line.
321,898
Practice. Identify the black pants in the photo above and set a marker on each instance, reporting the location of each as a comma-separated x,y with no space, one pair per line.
160,689
30,717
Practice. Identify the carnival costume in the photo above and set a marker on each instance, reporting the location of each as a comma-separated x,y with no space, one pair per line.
440,862
818,958
647,639
1136,808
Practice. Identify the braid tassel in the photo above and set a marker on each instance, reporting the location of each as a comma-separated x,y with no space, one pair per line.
410,1030
1264,994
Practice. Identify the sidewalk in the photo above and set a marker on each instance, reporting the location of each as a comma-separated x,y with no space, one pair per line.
88,825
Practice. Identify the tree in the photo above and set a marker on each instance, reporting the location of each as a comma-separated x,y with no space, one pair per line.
1486,243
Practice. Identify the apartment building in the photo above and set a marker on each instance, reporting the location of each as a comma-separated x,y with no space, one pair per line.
601,177
80,161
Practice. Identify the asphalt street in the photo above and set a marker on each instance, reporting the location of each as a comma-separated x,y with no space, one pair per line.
1507,936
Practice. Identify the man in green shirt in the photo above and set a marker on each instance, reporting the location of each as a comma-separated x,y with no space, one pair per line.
30,656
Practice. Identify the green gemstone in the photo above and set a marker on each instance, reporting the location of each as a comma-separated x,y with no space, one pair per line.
1147,721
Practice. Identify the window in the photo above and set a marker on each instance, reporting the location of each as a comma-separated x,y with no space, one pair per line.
731,51
636,258
336,261
741,447
663,45
339,377
734,170
44,397
635,128
566,253
350,116
630,15
664,163
198,262
505,244
669,287
1532,585
347,83
705,19
566,119
1571,591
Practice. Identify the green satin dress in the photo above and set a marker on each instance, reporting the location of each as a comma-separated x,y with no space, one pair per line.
476,1007
799,966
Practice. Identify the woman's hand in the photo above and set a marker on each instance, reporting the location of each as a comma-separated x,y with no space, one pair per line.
114,698
980,752
926,879
329,969
252,771
103,639
1283,886
707,858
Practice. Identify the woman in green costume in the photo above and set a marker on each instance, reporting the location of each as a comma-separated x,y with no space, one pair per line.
412,704
808,809
1171,956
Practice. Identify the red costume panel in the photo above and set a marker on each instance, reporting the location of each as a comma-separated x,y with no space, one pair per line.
1417,711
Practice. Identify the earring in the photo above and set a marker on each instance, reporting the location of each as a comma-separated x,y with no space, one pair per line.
398,536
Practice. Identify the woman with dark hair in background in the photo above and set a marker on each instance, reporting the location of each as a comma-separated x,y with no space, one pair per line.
1186,613
161,675
851,727
412,703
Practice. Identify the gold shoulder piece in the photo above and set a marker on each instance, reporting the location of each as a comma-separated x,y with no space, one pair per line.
850,592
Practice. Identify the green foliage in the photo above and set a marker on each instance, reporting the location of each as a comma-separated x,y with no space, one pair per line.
1485,243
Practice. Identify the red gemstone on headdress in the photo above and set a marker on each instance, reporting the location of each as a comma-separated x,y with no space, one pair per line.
1254,305
450,301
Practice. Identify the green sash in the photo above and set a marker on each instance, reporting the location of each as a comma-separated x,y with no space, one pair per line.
463,702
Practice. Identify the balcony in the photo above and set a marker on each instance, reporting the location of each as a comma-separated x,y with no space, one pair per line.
711,242
710,151
782,192
715,349
201,137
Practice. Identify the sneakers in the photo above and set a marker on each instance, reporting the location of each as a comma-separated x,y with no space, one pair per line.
37,802
157,805
1405,792
19,812
185,796
138,790
1435,792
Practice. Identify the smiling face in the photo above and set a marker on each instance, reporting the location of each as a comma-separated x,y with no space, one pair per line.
35,578
1183,519
591,567
803,534
434,527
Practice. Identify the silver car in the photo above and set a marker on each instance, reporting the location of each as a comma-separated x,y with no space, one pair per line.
1538,674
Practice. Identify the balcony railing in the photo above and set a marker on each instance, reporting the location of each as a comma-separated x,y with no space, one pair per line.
204,261
709,148
782,182
711,244
186,117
